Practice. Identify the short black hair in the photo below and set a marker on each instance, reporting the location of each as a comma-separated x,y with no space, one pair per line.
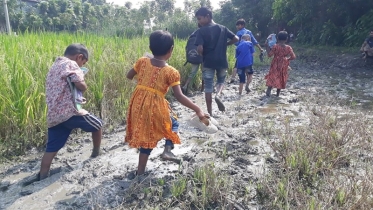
160,42
282,36
204,11
75,49
241,22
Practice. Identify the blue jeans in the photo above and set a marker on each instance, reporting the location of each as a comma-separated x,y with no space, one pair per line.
175,128
208,78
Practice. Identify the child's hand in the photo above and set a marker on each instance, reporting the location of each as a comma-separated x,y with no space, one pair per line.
203,118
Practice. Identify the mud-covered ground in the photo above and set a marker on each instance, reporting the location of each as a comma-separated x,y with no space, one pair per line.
238,149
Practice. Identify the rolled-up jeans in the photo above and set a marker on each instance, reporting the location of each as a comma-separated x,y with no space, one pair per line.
208,77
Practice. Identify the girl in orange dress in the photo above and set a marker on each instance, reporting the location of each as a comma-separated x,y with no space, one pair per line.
149,119
278,73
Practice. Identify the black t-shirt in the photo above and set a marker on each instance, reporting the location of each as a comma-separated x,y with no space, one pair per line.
213,38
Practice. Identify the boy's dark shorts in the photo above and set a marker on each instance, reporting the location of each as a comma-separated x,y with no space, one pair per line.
243,71
58,135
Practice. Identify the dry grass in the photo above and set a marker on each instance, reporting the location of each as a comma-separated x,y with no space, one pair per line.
325,164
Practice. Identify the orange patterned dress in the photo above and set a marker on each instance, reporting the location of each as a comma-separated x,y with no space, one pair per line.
278,73
148,119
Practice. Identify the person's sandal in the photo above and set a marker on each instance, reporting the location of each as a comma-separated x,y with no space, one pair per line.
220,104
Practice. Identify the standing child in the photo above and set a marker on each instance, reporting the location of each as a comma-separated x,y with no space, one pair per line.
241,30
149,119
278,73
244,55
62,115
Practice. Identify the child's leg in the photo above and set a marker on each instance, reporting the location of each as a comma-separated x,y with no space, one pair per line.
57,137
92,124
250,73
143,160
167,154
234,71
192,74
278,92
242,76
96,138
268,92
46,163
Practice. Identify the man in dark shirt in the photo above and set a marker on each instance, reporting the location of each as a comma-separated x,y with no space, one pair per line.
212,44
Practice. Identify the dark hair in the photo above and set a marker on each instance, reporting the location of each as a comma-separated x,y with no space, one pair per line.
160,42
282,36
75,49
241,22
204,11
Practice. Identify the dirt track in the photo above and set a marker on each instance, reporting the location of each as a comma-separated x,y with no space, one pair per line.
238,148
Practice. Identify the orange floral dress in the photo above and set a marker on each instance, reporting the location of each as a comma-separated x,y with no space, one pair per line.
278,73
148,118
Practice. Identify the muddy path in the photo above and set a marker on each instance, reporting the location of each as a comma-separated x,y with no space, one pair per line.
238,148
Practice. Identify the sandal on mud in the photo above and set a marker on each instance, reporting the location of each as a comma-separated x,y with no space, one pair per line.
209,129
220,104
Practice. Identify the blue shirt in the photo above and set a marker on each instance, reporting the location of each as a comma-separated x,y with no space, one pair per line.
244,54
243,31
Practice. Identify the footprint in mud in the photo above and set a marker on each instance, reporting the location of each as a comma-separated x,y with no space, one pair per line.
35,178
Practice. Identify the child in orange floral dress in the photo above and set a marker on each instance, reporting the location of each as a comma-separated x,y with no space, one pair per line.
149,119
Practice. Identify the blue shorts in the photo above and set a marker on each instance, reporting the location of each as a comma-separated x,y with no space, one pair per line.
58,135
243,71
175,128
208,78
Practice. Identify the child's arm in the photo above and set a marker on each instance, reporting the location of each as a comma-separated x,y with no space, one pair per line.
187,102
131,74
291,54
82,86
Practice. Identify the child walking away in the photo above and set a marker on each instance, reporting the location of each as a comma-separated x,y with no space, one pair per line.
241,30
149,119
62,115
244,55
212,45
278,73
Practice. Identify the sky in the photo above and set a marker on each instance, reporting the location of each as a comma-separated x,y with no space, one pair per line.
179,3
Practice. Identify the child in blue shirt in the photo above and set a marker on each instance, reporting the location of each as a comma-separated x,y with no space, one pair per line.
245,59
241,30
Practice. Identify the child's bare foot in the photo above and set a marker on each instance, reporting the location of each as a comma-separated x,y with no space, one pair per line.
95,152
169,156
